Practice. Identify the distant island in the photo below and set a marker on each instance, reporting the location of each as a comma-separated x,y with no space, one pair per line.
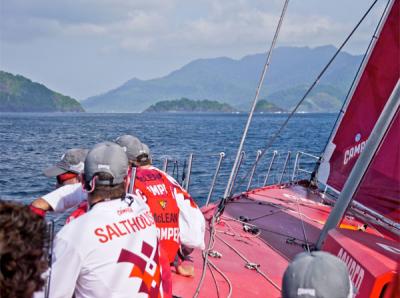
264,106
19,94
206,106
189,105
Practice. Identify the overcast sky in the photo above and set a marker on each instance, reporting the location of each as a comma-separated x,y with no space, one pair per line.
86,47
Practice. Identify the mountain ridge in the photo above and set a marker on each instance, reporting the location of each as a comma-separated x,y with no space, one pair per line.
232,81
20,94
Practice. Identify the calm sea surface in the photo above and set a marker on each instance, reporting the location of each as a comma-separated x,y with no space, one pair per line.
31,142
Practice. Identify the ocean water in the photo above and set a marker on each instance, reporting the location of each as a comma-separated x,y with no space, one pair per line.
31,142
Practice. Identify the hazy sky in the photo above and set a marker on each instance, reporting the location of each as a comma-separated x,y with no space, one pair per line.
86,47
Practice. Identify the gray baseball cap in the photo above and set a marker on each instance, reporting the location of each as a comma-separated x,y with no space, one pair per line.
71,161
106,157
316,274
132,146
145,150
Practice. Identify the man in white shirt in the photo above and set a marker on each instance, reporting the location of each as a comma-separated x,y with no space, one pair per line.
191,220
67,171
112,250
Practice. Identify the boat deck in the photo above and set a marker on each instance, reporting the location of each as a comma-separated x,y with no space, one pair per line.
281,221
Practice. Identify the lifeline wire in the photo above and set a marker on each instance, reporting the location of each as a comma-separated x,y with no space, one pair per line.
274,137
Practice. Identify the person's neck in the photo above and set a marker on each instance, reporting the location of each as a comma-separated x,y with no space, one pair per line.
93,200
71,181
68,182
145,166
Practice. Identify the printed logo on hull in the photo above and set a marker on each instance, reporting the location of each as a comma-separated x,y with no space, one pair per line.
356,271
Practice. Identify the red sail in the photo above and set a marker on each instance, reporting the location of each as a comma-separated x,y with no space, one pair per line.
380,188
375,85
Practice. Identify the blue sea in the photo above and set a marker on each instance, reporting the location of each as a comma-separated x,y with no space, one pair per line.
30,142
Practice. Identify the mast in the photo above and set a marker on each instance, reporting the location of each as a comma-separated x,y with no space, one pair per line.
377,136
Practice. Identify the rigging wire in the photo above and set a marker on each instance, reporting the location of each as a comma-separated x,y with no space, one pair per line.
352,86
302,225
316,81
266,66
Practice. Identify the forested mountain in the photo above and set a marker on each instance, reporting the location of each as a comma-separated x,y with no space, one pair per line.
188,105
234,82
19,94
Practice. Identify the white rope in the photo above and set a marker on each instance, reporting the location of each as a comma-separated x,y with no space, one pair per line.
248,262
225,277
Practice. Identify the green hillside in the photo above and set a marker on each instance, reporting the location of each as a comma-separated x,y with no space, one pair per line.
19,94
267,107
188,105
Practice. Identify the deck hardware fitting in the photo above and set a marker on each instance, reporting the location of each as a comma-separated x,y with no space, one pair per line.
215,254
252,266
250,229
244,218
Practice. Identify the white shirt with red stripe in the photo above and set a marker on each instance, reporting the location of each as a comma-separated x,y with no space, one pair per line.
111,251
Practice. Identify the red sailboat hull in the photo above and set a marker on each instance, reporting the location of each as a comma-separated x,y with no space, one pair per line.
285,220
260,231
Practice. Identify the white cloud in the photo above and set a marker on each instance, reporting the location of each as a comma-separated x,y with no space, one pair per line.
139,25
84,29
148,38
312,30
29,20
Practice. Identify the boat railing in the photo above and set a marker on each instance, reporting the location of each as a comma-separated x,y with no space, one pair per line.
208,181
301,168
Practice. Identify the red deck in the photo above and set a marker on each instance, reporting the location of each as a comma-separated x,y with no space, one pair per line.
287,218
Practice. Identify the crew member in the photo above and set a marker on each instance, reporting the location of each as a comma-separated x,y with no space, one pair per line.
179,221
22,253
67,172
112,250
316,274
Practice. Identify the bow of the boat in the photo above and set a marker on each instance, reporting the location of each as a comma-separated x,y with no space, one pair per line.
235,261
250,245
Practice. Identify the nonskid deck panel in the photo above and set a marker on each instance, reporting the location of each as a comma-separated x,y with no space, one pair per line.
278,213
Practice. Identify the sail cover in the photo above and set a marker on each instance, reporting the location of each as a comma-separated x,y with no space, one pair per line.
374,85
